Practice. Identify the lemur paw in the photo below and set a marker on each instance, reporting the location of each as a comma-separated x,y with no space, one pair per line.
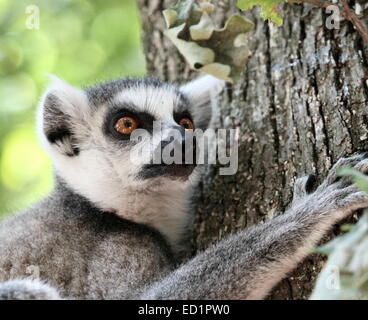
339,194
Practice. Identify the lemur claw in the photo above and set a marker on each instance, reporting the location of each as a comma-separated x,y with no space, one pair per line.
339,193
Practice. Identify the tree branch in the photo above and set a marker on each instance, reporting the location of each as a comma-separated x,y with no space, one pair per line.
318,3
347,13
352,17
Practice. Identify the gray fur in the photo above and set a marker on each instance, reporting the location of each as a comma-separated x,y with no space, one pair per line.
248,264
83,252
102,234
27,290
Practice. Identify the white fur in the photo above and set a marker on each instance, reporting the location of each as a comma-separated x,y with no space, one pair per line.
160,102
200,88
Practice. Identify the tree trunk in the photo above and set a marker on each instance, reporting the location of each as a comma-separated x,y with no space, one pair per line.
300,105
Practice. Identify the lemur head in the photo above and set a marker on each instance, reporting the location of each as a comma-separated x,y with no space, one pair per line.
88,135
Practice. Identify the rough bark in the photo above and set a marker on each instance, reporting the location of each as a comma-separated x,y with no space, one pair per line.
300,105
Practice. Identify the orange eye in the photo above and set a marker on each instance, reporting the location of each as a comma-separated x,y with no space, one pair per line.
126,125
186,123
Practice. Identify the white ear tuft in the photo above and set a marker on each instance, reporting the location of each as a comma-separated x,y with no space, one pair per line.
73,99
202,88
202,93
63,108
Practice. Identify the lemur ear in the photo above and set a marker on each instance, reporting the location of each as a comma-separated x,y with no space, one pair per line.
202,93
60,115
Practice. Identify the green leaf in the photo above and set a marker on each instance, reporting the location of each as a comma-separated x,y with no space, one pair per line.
268,8
203,30
360,179
345,275
185,11
195,54
220,52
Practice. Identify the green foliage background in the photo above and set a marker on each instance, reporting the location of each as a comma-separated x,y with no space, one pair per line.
80,41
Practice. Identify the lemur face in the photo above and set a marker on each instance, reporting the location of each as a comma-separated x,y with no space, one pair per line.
88,133
145,118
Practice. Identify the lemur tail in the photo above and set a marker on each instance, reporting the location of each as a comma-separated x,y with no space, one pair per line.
27,290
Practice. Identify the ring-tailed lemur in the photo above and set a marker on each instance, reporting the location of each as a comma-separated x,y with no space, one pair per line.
110,227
